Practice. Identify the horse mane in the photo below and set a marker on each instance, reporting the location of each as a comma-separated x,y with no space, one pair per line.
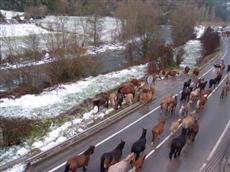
89,150
143,133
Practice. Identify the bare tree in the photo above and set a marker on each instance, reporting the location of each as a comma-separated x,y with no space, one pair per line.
32,47
94,22
183,19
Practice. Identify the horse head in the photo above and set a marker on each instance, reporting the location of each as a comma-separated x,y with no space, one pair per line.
121,145
144,131
90,150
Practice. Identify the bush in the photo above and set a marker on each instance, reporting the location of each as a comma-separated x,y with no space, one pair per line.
65,69
15,130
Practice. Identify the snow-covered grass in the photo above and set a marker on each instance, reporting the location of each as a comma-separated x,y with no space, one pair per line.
16,168
46,60
91,50
17,30
10,14
55,136
109,25
193,51
65,96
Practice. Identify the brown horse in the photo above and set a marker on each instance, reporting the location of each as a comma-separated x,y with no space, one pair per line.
157,130
193,130
201,102
122,166
171,73
113,98
196,71
183,111
79,161
172,105
139,163
112,157
224,91
194,94
136,82
186,69
129,99
165,102
127,89
174,126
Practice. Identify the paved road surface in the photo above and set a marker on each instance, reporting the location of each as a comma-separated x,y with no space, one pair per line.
213,120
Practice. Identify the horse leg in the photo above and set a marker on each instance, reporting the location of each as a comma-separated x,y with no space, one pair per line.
171,152
179,151
84,168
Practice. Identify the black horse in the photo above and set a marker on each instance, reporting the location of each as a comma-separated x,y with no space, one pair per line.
110,158
193,130
186,93
177,144
187,83
228,68
214,82
202,85
139,145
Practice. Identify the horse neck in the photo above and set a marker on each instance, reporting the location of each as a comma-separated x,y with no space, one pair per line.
143,135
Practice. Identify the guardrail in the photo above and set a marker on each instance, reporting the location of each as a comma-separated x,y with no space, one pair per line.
75,139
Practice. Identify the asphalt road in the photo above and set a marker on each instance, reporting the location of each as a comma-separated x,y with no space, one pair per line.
213,119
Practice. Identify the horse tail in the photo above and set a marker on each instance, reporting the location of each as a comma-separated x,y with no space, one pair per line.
67,167
102,164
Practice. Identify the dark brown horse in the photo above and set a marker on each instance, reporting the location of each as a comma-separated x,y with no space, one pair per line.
139,146
112,157
177,144
103,101
79,161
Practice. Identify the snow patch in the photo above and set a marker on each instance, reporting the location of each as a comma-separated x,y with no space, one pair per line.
64,97
10,14
16,30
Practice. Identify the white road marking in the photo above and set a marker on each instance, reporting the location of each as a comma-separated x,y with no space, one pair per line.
118,132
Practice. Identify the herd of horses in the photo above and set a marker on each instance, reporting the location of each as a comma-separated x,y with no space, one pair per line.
193,98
